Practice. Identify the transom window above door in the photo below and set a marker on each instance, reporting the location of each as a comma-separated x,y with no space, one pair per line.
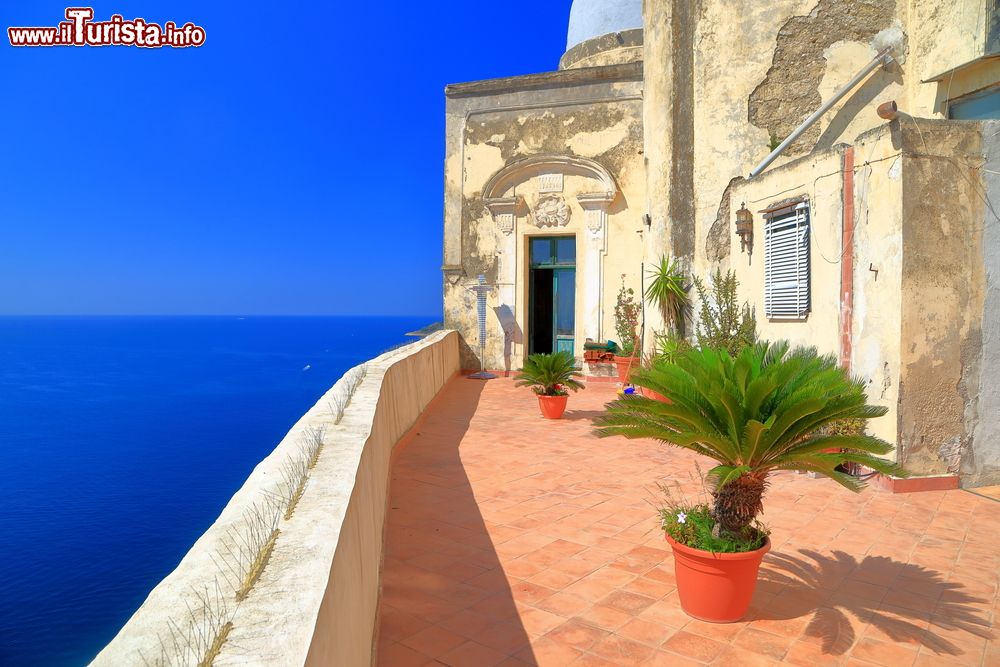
553,251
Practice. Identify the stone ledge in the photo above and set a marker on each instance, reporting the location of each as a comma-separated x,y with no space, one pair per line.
315,602
916,484
571,77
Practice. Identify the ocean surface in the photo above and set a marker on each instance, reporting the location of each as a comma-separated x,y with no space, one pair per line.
123,438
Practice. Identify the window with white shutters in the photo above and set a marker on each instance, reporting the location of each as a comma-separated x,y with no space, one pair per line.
786,262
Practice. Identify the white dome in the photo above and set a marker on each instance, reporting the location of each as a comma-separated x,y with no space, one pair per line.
593,18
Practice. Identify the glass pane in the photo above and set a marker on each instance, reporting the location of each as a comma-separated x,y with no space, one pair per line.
977,107
541,251
565,302
566,250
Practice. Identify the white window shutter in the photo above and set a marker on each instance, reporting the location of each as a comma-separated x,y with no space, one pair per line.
786,264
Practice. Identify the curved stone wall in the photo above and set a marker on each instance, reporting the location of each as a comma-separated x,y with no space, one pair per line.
316,598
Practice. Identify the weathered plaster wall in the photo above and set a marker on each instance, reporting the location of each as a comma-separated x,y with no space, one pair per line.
681,238
878,266
821,45
734,46
658,95
593,113
925,257
816,178
945,35
926,301
942,292
316,601
761,68
974,78
981,461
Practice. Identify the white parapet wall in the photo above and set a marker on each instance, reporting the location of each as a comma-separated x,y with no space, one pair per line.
316,599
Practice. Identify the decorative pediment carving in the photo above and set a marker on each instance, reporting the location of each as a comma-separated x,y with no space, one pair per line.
545,167
551,211
595,209
504,211
553,182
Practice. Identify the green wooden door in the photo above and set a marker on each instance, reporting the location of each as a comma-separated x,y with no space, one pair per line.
552,294
564,309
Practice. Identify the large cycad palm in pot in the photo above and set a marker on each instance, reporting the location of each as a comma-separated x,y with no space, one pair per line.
762,410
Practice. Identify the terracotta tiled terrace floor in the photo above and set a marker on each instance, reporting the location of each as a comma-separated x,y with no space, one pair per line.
514,540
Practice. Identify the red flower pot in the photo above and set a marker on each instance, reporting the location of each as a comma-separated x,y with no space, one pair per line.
552,407
625,365
716,587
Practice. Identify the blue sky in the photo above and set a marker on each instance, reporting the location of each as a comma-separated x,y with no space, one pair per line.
291,165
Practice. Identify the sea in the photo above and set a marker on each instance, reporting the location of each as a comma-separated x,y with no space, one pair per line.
121,440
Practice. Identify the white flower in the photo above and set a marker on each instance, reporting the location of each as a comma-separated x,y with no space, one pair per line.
681,517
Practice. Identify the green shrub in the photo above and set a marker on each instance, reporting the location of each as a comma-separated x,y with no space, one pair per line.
627,319
724,324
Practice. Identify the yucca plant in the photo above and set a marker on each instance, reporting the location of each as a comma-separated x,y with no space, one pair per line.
666,348
668,291
550,374
760,411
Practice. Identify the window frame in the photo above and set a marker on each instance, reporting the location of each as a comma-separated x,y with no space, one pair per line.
991,41
552,262
798,258
982,93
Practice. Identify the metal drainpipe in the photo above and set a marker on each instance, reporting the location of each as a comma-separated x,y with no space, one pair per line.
642,300
883,58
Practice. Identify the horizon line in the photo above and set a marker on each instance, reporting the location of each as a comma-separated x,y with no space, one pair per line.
233,315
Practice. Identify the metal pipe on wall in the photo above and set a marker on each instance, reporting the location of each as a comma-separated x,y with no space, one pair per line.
883,58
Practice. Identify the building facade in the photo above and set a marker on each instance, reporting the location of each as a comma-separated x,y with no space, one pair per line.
874,237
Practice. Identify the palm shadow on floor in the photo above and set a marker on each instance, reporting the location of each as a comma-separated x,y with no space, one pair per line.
906,602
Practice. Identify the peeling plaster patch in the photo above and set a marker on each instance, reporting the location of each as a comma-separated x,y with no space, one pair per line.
892,37
717,243
896,169
790,91
950,452
599,141
534,132
530,146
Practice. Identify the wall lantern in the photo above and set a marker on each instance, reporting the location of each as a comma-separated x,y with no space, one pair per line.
744,229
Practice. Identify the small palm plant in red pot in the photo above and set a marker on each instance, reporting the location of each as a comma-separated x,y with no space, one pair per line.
551,377
754,413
